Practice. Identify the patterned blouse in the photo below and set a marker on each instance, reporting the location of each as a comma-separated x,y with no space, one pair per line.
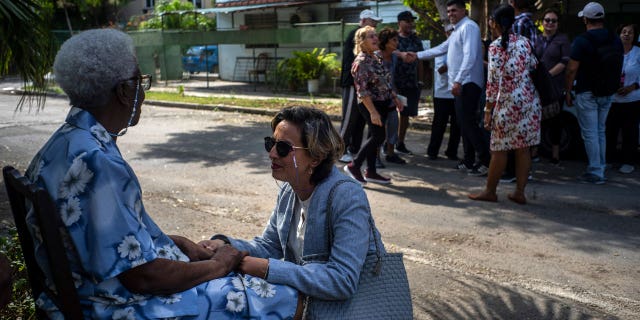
108,231
371,78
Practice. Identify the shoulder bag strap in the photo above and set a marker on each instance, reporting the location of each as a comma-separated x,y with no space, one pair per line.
329,227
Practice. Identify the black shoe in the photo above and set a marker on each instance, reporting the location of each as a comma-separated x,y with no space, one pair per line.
508,178
400,147
432,157
394,158
461,166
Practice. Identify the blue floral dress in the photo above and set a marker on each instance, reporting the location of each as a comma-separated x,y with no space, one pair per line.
107,231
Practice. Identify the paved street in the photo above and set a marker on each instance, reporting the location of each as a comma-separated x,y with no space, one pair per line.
572,253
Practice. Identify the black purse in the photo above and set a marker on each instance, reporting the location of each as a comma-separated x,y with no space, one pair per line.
383,289
547,91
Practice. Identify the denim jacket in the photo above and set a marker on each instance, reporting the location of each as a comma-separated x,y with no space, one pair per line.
319,275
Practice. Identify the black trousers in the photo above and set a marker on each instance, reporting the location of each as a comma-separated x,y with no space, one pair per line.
444,113
474,137
376,135
623,119
352,127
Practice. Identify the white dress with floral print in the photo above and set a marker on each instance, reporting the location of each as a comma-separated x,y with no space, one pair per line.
516,115
108,232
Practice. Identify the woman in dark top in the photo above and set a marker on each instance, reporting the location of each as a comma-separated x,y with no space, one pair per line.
375,95
552,49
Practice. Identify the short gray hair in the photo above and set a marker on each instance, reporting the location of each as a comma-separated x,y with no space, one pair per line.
89,65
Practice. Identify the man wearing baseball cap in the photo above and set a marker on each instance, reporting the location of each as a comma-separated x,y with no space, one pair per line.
405,75
352,126
592,102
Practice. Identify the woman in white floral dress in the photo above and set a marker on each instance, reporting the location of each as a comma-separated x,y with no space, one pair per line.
512,111
123,265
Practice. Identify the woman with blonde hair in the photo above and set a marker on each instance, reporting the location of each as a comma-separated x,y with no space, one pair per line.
373,87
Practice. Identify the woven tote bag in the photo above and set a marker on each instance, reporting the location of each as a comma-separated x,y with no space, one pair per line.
383,288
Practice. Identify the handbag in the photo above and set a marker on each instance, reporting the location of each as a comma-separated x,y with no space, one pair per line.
383,289
547,91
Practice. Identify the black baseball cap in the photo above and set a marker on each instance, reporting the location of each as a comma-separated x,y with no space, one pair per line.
405,16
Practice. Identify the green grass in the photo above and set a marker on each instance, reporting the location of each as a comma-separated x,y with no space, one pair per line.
271,103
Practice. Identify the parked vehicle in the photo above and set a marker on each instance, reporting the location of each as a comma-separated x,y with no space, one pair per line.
200,58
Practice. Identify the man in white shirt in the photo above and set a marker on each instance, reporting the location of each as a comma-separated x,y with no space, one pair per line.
466,81
443,110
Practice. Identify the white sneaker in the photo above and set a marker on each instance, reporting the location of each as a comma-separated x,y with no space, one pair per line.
346,157
626,168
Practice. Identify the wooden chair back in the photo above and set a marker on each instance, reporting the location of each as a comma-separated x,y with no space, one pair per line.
20,190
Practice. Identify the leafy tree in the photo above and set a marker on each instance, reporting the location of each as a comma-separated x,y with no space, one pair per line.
176,15
433,15
86,14
26,45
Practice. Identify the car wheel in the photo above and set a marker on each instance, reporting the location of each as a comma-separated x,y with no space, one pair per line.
571,144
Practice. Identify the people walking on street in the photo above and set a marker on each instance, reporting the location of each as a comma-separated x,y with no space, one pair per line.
596,65
625,109
406,76
552,49
375,93
466,81
512,111
444,112
388,44
352,127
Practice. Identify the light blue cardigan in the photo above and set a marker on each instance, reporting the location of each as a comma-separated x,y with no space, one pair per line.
335,278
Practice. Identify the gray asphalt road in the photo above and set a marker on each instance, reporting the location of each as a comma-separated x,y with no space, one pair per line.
572,253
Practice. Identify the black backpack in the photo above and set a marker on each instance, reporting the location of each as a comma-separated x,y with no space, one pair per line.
607,66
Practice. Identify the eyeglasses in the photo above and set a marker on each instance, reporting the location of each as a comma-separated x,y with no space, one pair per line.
547,20
282,147
144,80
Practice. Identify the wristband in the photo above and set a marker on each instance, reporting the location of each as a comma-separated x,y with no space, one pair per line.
221,237
266,272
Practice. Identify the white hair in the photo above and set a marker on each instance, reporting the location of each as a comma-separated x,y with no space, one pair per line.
89,66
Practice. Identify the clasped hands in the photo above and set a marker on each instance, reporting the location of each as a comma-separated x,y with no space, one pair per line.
407,56
256,267
229,257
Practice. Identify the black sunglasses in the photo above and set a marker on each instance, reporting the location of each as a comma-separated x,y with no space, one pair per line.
547,20
282,147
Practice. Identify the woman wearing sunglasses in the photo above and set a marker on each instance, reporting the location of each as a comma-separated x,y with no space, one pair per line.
552,49
373,86
293,249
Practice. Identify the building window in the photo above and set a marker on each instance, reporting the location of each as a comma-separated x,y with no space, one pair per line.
150,4
197,4
261,21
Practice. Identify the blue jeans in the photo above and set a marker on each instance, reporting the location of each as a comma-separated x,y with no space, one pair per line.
592,116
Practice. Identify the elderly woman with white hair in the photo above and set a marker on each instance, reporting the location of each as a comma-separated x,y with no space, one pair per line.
124,266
